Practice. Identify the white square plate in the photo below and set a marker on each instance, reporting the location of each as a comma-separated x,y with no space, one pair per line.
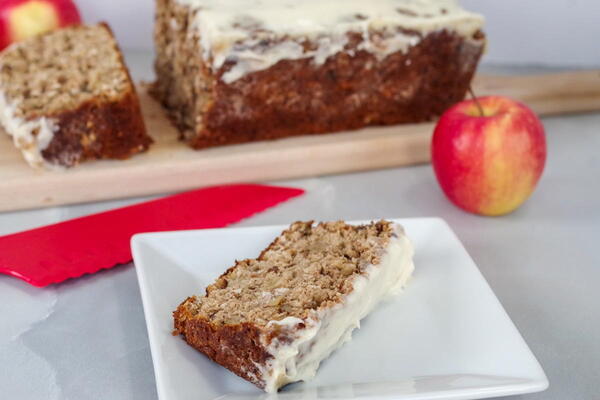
445,337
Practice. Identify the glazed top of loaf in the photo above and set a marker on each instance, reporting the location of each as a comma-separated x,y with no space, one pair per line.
256,34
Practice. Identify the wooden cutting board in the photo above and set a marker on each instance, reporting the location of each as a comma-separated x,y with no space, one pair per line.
170,166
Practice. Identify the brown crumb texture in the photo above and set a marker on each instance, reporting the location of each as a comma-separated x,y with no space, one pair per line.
307,268
351,90
76,77
185,86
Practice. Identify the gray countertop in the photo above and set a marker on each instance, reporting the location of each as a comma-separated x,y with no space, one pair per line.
86,338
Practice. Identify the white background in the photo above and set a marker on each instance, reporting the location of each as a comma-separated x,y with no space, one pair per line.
521,32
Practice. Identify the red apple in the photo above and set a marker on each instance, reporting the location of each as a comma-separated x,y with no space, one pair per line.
489,154
20,19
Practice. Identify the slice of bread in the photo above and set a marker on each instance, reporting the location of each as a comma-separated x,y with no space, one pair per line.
273,319
66,97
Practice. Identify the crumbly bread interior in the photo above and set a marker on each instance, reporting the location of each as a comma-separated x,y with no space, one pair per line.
58,71
185,84
306,268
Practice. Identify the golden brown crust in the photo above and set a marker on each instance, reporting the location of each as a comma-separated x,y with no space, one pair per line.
294,98
98,130
236,347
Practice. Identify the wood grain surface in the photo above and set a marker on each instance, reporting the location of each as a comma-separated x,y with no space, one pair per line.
171,166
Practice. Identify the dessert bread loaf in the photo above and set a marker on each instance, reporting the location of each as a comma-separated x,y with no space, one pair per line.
233,71
67,97
273,319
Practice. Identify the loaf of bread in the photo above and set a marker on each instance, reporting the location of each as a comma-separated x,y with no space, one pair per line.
232,71
273,319
67,97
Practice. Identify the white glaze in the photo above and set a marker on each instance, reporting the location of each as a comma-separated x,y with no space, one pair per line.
22,132
227,28
329,329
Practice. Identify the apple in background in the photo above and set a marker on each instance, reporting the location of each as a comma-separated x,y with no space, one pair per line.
488,164
20,19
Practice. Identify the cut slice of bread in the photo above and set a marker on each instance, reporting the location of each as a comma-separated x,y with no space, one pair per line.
66,97
273,319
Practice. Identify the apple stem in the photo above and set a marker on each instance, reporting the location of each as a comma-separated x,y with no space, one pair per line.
476,102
